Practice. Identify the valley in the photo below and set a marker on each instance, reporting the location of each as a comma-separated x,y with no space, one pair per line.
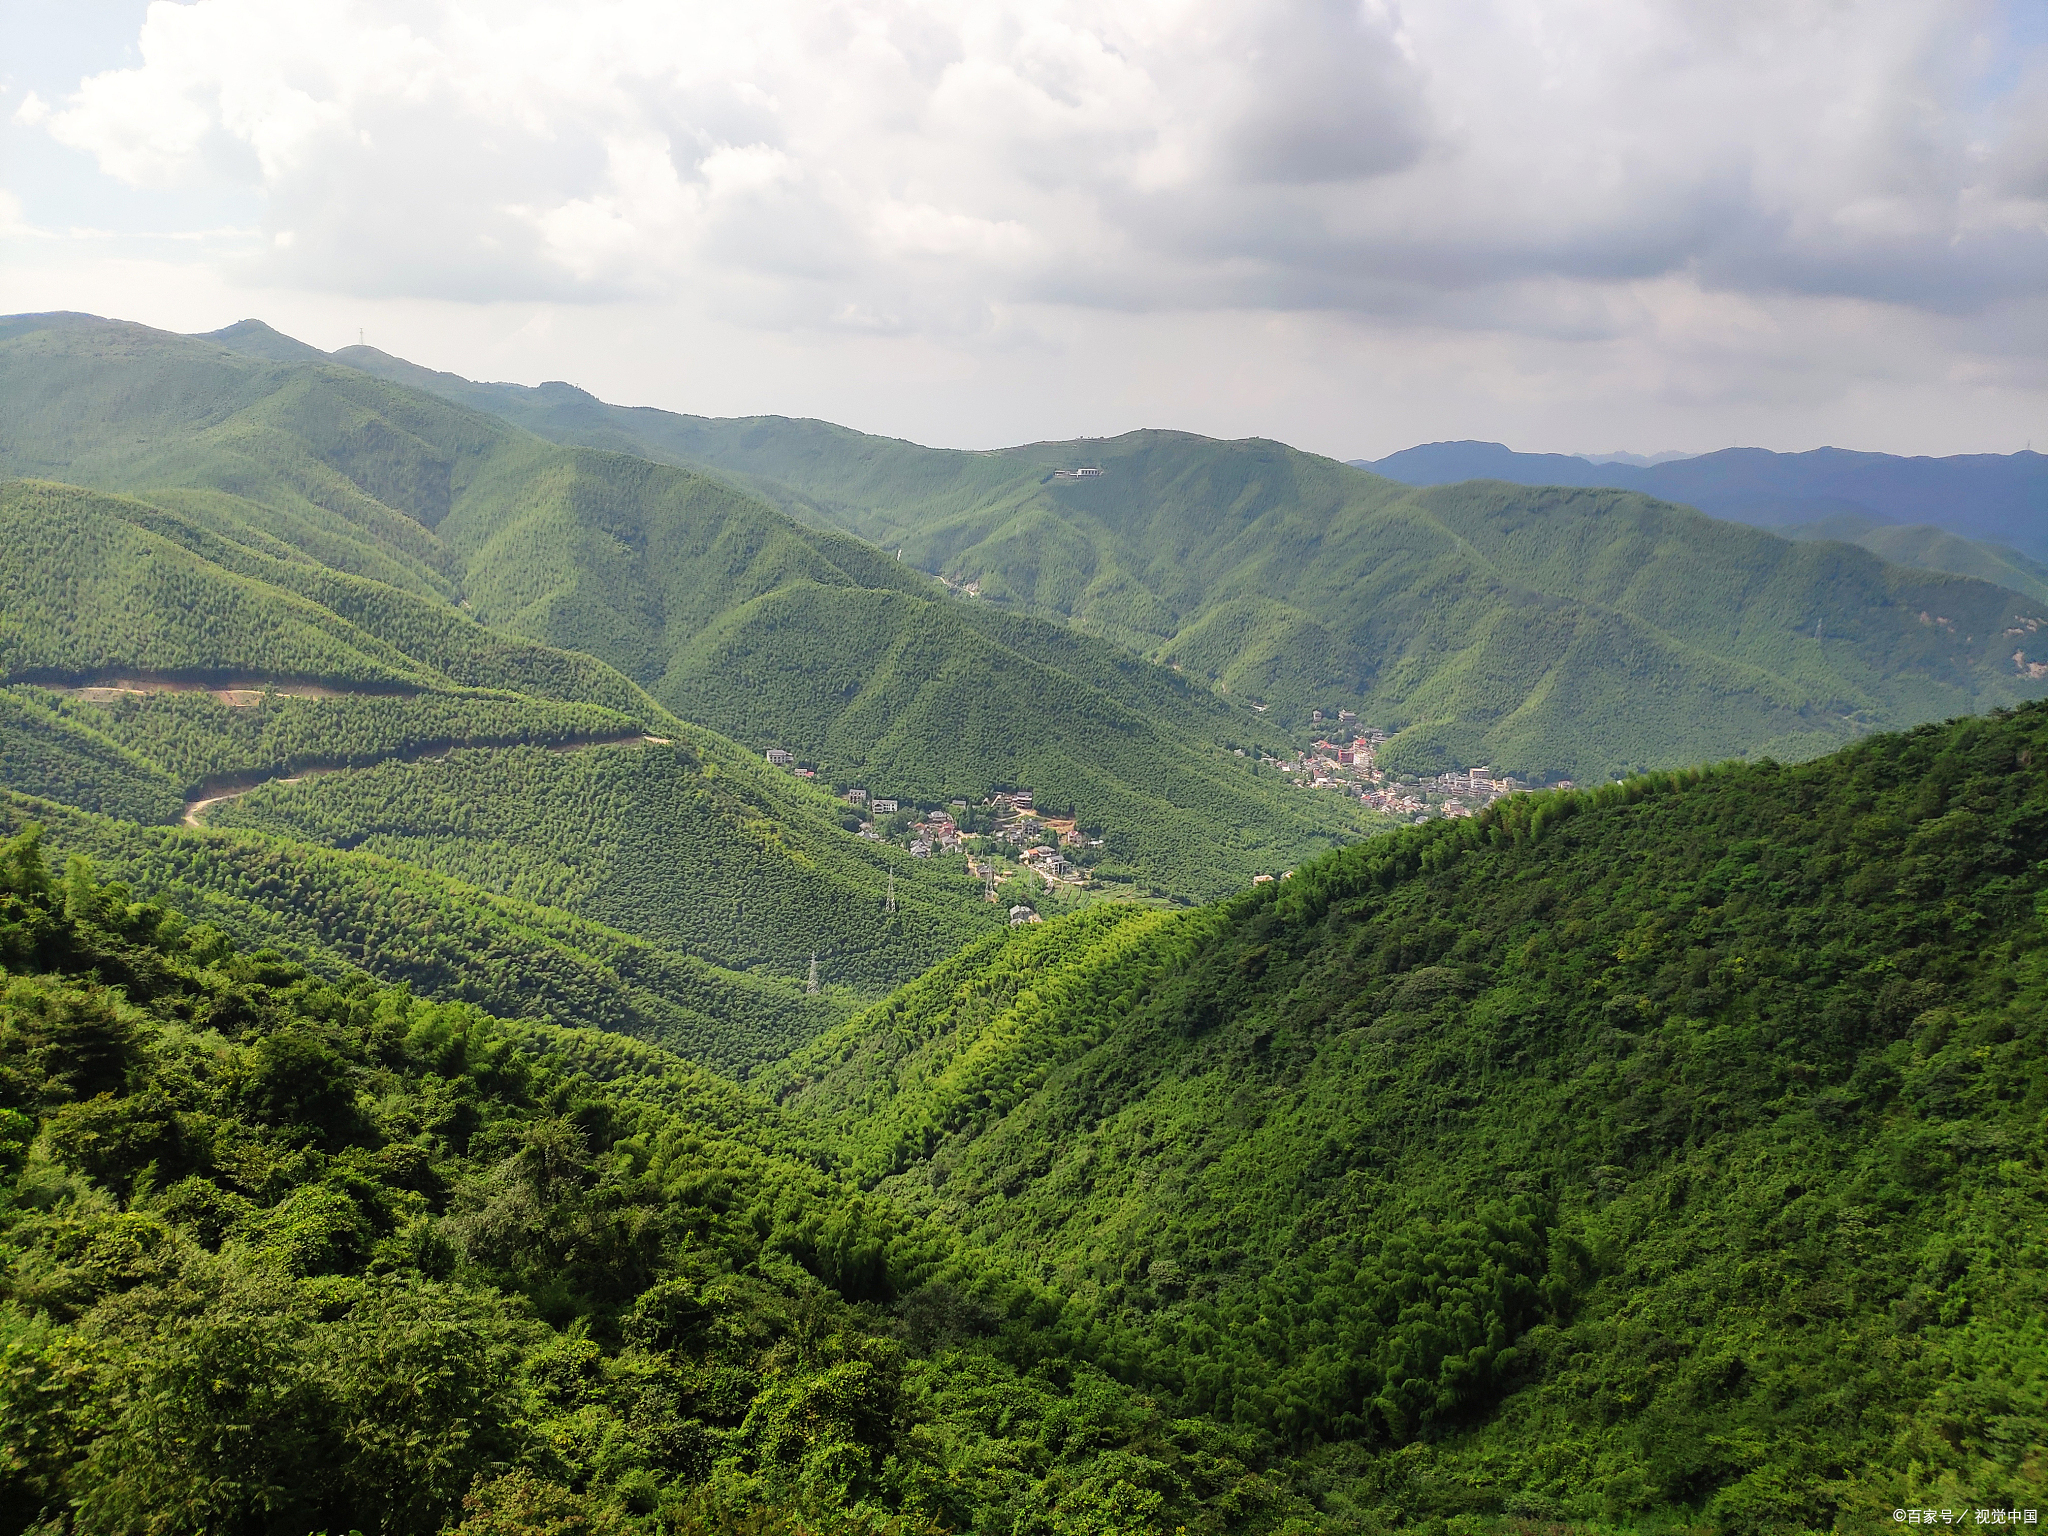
1661,1153
1563,631
554,983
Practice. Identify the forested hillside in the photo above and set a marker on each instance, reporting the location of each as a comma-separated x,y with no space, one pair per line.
1667,1153
925,706
273,486
337,912
1932,549
754,868
1665,1156
646,842
1549,635
285,1253
1660,1158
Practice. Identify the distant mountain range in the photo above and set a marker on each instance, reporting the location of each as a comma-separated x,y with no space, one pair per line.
1551,634
1654,1156
1201,594
2002,498
434,695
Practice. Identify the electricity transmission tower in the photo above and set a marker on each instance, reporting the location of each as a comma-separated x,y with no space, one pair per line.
892,891
812,985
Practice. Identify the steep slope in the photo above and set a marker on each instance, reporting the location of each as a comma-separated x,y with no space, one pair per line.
713,859
1285,580
2002,498
656,571
284,1253
1669,1152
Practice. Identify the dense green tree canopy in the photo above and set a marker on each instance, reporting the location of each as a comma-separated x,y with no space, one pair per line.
1548,632
1674,1145
284,1254
413,1116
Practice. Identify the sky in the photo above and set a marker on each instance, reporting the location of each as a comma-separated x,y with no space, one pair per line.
1352,225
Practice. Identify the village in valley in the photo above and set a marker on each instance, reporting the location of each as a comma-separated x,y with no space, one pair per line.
1008,843
1015,849
1344,760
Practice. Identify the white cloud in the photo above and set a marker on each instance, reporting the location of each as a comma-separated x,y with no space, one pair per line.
1660,189
1346,154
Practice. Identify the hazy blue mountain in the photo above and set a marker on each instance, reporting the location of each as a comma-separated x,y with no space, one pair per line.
1639,460
2002,498
1449,463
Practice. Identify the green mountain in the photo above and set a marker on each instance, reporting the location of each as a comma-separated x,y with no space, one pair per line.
1663,1157
1933,549
286,1254
1551,633
1668,1154
401,521
700,845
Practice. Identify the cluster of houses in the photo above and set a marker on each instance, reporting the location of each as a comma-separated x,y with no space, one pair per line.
1040,841
1348,764
937,833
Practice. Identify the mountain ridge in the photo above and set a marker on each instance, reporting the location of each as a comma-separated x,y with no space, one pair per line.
1519,1164
1661,1157
1996,498
582,550
1462,660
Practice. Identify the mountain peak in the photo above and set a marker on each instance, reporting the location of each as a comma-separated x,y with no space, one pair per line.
253,338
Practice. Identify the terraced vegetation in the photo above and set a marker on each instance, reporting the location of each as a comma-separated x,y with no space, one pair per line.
444,938
199,741
646,842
